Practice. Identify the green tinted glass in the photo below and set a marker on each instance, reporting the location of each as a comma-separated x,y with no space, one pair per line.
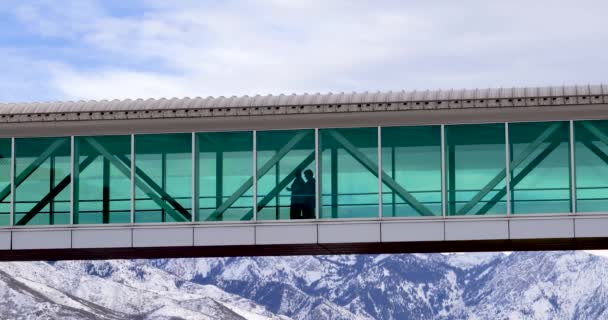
163,177
225,176
540,173
42,180
102,188
411,161
349,169
5,181
286,174
475,169
591,158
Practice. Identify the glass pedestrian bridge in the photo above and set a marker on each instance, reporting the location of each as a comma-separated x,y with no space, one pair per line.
465,170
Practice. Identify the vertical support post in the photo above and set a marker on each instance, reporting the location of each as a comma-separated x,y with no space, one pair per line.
132,179
334,182
163,182
75,185
572,170
508,168
318,180
379,172
106,191
195,177
52,186
12,199
443,175
255,175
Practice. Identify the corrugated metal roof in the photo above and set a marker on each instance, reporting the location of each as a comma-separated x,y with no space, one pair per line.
302,103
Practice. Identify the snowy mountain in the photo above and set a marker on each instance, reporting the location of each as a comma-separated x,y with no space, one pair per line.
521,285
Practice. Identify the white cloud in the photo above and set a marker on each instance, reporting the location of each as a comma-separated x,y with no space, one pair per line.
224,48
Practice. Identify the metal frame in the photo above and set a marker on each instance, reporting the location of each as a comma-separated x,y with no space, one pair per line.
443,175
572,169
509,164
254,181
379,174
508,168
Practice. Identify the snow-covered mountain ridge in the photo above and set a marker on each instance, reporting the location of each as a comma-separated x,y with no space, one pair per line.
522,285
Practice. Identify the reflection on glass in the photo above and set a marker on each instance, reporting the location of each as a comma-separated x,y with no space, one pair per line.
591,152
5,181
163,177
42,180
286,176
475,169
349,173
411,158
225,176
102,189
540,167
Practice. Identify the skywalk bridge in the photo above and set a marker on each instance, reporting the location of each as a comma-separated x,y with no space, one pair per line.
451,170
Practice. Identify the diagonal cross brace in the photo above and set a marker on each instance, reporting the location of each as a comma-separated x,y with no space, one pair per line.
281,185
123,165
32,167
260,172
503,173
520,176
387,179
53,193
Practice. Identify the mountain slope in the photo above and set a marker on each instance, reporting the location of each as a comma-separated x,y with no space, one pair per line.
521,285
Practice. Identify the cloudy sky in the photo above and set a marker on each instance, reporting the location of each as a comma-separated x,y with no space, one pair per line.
87,49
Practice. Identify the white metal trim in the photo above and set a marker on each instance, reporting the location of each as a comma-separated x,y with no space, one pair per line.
508,168
572,170
195,176
317,180
132,179
73,177
379,133
443,184
12,199
255,176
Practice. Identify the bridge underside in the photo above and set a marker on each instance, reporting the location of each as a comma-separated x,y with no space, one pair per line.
307,238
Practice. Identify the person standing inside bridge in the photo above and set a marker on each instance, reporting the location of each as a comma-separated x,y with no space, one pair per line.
297,196
310,189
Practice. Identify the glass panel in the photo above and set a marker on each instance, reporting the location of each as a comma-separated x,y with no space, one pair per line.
475,169
591,152
411,156
163,177
5,181
286,174
42,179
225,167
349,167
540,167
102,189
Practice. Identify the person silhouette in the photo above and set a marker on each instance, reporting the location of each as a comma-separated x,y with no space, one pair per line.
297,195
310,189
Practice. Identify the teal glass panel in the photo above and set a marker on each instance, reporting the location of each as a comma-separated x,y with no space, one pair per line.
349,168
591,159
163,178
540,167
411,157
5,181
225,176
475,169
102,188
286,175
42,180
